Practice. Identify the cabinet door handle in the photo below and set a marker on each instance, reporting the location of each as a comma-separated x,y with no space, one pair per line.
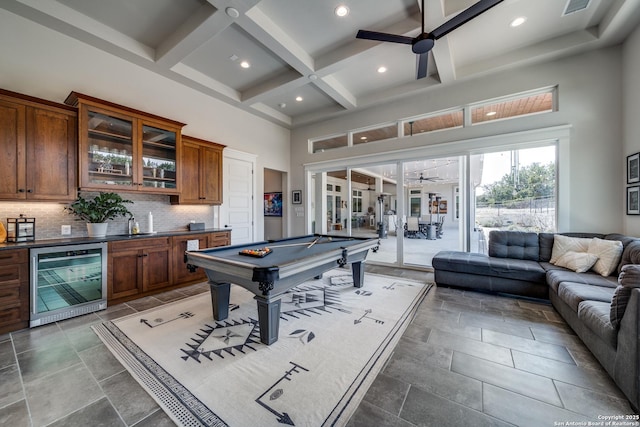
20,190
29,191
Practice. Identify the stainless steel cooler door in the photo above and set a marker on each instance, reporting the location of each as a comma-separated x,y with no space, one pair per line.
67,281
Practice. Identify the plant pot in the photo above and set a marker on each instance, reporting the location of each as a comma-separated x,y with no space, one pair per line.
97,229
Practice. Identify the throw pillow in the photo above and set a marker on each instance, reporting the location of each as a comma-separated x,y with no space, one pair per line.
608,252
577,261
629,278
563,244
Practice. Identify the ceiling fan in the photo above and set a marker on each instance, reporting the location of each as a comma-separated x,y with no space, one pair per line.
369,186
423,42
426,178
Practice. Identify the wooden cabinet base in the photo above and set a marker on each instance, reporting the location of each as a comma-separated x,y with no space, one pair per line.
149,266
14,290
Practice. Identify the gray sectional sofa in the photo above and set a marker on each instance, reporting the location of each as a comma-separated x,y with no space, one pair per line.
519,263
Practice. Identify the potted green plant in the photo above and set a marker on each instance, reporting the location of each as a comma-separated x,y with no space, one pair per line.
97,211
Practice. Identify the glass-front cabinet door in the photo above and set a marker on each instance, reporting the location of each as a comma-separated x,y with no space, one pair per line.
109,151
158,158
126,150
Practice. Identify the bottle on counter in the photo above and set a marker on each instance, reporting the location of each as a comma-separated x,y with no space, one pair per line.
150,222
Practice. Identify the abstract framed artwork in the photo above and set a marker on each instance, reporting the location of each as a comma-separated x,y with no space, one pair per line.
633,168
633,200
273,204
296,197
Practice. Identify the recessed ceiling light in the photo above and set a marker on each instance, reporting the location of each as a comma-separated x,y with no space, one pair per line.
245,64
382,70
298,98
491,113
518,21
282,105
363,138
342,11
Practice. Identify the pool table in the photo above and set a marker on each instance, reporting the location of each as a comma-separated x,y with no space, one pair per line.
289,263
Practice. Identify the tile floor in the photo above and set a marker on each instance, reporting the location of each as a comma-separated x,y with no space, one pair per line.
467,359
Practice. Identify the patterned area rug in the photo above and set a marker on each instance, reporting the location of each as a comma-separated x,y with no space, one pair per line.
333,341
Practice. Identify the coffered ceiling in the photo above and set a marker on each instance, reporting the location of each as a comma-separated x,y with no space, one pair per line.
301,49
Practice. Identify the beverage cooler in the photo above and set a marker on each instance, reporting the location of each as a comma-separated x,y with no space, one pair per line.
67,281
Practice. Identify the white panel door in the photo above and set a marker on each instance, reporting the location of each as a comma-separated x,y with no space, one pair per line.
238,200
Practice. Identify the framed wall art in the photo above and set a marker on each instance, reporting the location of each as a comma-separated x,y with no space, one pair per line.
633,168
296,197
633,200
273,204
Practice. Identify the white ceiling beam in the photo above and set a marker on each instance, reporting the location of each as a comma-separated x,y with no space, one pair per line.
65,20
265,109
435,16
263,29
206,81
619,19
332,87
201,27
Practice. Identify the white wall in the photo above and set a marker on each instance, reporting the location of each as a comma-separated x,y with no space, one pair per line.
40,62
590,100
631,117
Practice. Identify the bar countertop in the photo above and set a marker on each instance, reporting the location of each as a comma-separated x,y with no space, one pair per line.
109,238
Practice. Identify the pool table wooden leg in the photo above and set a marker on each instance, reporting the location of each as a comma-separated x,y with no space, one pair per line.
357,271
220,299
269,318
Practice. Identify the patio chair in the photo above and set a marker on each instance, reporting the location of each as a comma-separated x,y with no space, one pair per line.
413,227
439,225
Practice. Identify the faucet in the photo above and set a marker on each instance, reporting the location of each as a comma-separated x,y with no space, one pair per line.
130,224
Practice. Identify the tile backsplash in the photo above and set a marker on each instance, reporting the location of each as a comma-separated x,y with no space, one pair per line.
166,217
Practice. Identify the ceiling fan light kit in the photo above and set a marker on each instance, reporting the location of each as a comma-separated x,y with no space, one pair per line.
424,42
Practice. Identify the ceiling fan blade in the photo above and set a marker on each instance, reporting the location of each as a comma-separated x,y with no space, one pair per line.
383,37
464,17
423,60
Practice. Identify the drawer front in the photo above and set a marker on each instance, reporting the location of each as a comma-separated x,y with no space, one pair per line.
10,314
139,243
11,257
9,294
12,274
222,238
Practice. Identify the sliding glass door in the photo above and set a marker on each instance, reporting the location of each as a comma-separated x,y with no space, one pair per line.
516,191
417,208
430,187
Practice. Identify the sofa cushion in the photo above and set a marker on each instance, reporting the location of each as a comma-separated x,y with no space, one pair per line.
574,293
563,244
514,245
545,241
473,263
630,254
595,316
557,275
577,261
608,253
629,278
